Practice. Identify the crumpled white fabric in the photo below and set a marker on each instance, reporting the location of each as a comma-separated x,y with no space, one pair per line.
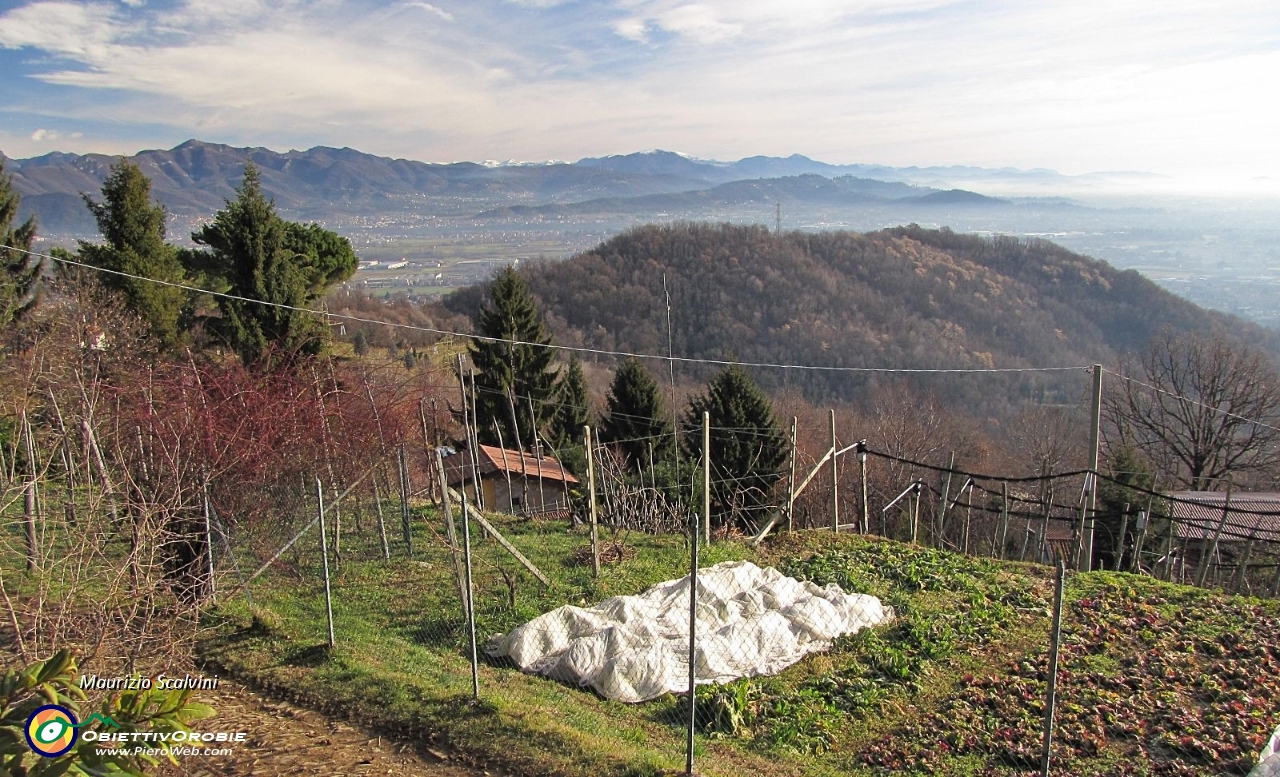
1269,758
751,622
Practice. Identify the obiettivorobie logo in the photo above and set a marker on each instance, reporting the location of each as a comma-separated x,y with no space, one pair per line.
52,729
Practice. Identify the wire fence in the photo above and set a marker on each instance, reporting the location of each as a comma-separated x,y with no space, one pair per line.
857,617
498,592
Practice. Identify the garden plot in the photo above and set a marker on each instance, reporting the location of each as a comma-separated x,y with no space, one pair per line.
750,622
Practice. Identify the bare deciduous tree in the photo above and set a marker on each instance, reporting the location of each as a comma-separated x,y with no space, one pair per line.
1200,407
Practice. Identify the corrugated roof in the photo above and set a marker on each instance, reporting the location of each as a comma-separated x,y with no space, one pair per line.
497,460
1198,513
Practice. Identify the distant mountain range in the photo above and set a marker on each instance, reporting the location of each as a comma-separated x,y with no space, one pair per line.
344,186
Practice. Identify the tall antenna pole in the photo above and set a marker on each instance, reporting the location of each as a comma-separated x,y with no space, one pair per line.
671,376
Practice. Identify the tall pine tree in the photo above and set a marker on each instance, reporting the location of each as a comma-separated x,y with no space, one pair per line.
134,230
513,366
573,412
747,444
20,272
572,406
261,257
636,418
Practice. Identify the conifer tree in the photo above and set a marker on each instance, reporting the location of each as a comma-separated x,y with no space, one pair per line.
747,444
259,256
572,413
514,365
134,230
20,273
636,417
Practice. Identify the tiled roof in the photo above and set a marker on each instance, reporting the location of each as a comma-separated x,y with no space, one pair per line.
1198,513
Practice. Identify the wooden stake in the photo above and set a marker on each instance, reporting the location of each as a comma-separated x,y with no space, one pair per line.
382,524
1217,535
31,504
940,534
506,470
1004,518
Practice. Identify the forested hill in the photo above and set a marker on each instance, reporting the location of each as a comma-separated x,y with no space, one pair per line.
905,298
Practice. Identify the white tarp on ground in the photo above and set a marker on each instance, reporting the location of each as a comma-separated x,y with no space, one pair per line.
1269,758
751,622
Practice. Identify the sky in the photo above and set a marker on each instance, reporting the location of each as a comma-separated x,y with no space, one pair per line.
1184,88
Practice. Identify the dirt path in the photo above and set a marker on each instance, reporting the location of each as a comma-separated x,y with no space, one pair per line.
289,740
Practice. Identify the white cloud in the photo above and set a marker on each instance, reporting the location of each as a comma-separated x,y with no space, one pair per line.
1077,86
632,29
74,29
429,8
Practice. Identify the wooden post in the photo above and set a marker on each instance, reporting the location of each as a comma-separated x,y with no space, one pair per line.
591,491
1217,535
835,478
382,524
208,533
1242,571
1095,427
1048,514
940,534
968,517
537,453
427,449
706,476
1275,583
524,469
466,428
31,496
791,482
1083,561
506,470
1004,519
1170,542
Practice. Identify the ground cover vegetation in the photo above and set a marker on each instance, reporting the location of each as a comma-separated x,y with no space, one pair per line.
954,685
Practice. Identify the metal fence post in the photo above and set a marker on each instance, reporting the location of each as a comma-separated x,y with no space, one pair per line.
470,598
324,554
591,495
693,587
1051,700
405,526
208,535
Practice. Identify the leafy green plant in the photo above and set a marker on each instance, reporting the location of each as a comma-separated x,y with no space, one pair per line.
54,681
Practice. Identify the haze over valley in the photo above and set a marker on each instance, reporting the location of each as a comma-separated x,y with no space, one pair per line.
424,229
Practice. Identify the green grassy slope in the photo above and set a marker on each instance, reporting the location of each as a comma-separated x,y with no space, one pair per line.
1156,679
